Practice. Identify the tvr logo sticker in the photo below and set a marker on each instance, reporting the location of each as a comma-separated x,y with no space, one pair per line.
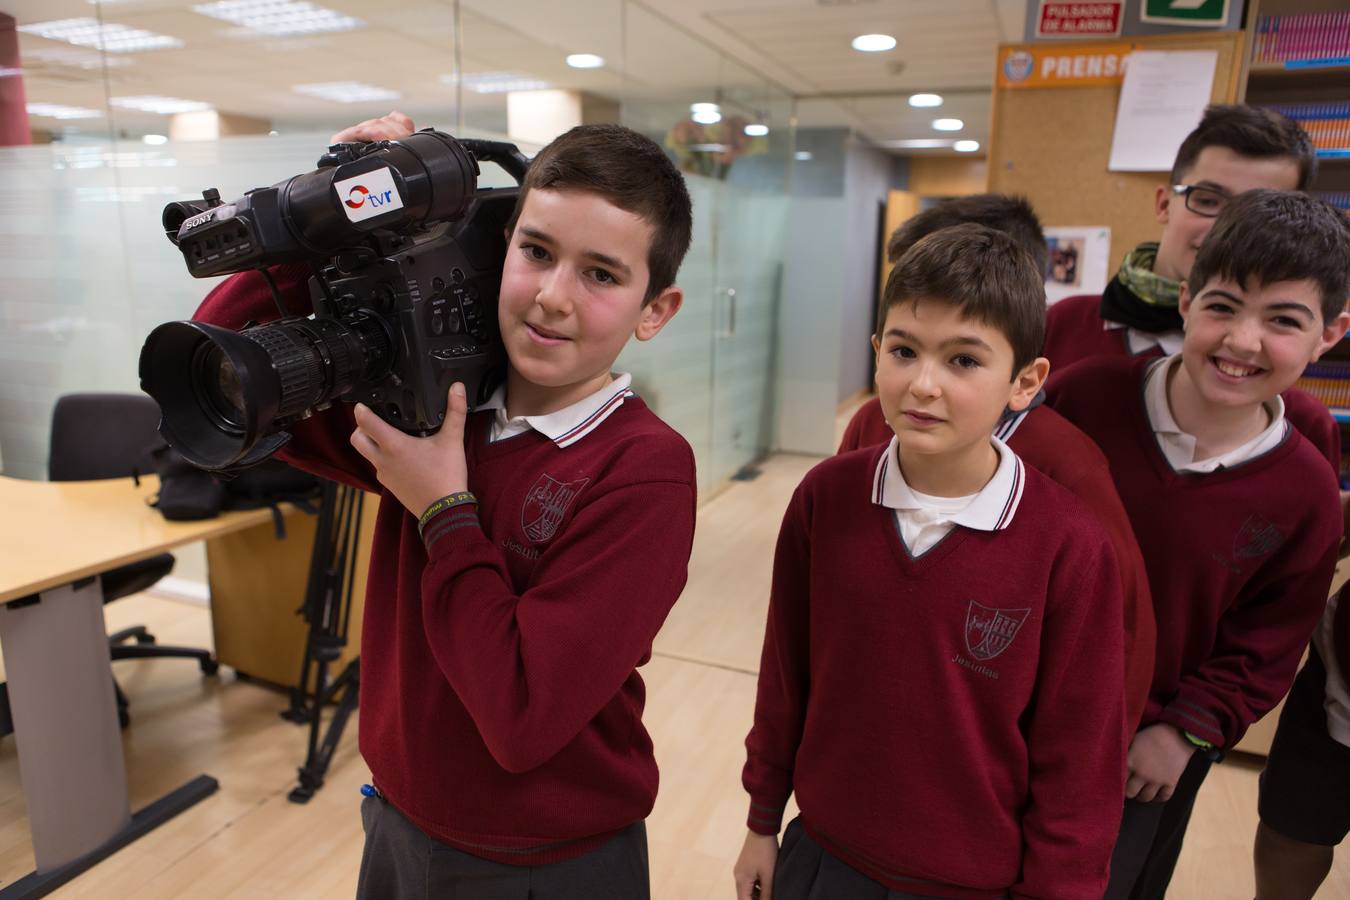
371,194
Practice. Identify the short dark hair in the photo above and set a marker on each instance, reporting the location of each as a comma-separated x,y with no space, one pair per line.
985,274
633,173
1273,236
1011,215
1253,131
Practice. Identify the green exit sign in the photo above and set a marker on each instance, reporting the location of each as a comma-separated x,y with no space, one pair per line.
1201,13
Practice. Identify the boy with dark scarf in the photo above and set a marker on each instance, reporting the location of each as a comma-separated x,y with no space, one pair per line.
1235,148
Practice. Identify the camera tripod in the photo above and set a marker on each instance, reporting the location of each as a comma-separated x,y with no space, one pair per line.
327,610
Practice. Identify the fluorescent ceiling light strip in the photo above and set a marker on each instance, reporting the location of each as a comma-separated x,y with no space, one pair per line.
112,37
165,106
918,144
60,111
497,82
346,91
279,17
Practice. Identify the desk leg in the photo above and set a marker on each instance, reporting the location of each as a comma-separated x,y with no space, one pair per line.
70,747
65,721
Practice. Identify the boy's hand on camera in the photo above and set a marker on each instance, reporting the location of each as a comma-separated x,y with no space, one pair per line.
386,128
417,470
1158,756
754,867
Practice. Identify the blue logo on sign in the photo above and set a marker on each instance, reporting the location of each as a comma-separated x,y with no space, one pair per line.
1019,65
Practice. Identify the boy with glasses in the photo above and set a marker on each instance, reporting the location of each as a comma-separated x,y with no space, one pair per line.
1234,149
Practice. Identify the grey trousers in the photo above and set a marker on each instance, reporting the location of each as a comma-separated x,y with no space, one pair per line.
807,871
400,862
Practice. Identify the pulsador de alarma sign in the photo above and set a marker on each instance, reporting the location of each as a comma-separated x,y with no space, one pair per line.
1077,20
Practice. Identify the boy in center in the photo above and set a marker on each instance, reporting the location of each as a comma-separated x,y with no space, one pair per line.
941,683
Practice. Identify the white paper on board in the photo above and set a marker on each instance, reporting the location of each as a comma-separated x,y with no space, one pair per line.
1162,100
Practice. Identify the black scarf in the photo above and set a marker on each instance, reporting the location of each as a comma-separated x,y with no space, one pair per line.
1120,304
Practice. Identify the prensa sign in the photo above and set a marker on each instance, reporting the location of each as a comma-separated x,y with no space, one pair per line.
1059,18
1056,66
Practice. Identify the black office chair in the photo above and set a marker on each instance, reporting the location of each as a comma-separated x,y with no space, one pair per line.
96,436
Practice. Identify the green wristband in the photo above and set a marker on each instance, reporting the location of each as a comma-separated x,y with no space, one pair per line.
1197,741
449,501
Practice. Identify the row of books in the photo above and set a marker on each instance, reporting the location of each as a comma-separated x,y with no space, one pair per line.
1328,382
1312,37
1338,199
1328,124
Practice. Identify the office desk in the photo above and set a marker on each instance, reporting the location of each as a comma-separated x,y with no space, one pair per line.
55,537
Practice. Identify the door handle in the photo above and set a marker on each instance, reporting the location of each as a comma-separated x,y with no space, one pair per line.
730,329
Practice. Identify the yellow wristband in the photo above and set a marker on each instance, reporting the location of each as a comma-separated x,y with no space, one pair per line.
449,501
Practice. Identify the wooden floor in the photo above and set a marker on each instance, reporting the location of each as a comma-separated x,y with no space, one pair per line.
248,841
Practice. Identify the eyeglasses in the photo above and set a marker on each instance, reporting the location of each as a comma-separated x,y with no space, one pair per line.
1202,201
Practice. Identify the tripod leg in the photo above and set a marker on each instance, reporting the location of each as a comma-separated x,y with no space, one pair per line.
311,773
350,682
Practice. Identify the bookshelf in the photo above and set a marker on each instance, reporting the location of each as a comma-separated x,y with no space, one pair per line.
1299,62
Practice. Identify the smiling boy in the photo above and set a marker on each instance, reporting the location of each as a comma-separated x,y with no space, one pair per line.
1236,513
525,555
1235,148
941,684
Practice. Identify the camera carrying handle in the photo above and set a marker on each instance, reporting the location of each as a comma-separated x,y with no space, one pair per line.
508,156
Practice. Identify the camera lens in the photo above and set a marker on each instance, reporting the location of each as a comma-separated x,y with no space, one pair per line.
225,397
216,382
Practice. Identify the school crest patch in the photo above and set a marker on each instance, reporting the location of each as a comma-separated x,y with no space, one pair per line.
1258,536
545,505
991,631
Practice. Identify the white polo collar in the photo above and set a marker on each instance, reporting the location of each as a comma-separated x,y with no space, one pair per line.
993,507
565,426
1143,341
1179,446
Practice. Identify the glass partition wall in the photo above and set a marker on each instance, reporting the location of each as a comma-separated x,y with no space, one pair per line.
133,104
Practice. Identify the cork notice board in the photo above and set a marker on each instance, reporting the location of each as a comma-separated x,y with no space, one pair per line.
1052,143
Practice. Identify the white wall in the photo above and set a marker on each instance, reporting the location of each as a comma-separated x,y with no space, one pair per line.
828,297
868,175
809,327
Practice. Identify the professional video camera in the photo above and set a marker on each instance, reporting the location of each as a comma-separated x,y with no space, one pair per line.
407,256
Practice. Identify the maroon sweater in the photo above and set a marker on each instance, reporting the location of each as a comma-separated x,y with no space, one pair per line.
1239,560
1050,444
1074,331
501,709
923,751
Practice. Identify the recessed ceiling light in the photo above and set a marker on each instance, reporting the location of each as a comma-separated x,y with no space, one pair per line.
346,92
948,124
497,82
707,117
966,146
755,129
704,107
154,140
112,38
60,111
873,43
279,17
925,100
802,155
164,106
585,61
